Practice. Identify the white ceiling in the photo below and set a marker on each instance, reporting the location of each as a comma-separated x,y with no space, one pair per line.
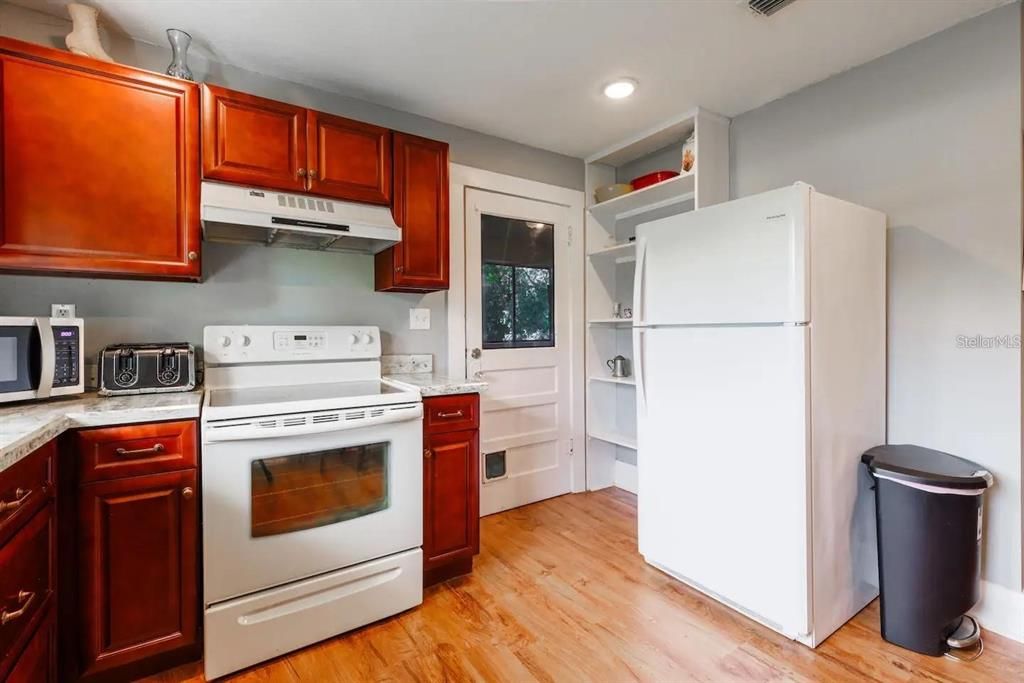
533,71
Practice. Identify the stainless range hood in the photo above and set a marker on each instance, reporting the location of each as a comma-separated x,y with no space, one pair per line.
245,215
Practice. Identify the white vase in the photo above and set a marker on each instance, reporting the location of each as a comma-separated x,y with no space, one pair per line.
84,38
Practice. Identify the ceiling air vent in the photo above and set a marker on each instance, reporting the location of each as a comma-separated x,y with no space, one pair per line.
766,8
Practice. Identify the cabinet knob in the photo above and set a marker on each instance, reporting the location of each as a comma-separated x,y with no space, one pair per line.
427,453
398,269
312,173
192,256
187,493
301,173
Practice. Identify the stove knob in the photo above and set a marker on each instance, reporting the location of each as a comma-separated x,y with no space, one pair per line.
225,341
246,341
366,339
353,339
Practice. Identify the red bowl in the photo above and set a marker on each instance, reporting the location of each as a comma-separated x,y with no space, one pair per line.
652,179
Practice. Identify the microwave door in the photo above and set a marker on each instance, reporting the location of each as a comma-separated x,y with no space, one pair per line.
24,359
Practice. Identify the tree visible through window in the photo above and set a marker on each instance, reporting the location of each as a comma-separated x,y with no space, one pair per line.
518,283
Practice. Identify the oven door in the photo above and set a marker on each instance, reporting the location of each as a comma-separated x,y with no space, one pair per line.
294,505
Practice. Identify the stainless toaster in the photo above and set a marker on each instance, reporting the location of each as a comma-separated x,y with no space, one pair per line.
146,368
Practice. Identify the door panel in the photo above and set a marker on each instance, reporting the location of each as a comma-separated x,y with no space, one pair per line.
722,462
252,140
517,317
349,159
741,262
420,261
137,551
451,507
78,189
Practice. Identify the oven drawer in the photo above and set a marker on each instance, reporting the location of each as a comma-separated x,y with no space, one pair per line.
24,487
26,579
135,450
263,625
451,413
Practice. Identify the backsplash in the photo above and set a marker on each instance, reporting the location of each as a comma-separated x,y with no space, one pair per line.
406,364
241,285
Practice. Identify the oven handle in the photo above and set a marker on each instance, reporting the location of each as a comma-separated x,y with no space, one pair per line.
213,432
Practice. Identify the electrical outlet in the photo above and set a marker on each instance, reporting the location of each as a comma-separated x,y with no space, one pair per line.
62,310
419,318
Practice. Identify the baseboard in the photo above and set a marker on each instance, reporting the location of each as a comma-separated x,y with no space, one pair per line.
625,476
1001,610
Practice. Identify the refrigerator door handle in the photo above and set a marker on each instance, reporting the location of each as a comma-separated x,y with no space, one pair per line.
638,281
641,387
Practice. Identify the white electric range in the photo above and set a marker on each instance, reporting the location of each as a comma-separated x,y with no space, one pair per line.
312,490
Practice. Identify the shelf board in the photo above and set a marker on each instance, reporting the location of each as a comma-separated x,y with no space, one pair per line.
617,439
667,192
620,253
628,381
611,322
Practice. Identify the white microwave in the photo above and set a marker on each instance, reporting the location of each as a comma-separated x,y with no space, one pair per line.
40,357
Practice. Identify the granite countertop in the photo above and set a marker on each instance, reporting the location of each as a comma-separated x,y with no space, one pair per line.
433,384
26,427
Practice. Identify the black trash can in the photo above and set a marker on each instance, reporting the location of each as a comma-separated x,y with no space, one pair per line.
928,508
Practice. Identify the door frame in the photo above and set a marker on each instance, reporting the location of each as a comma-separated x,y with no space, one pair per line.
463,178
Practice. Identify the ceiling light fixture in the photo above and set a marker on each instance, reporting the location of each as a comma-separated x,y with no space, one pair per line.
617,90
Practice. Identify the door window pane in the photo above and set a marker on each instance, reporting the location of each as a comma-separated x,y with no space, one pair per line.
518,259
296,492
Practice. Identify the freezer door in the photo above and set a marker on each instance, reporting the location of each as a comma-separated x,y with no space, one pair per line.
723,469
744,261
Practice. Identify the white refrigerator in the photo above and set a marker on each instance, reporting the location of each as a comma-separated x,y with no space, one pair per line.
759,354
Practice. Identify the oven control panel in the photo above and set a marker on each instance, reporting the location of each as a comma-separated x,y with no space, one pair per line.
299,341
227,344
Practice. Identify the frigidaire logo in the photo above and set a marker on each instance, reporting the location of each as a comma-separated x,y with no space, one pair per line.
775,217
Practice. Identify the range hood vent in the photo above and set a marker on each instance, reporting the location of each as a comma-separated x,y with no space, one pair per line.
766,8
244,215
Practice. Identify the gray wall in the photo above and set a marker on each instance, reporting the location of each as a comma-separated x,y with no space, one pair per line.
931,135
253,284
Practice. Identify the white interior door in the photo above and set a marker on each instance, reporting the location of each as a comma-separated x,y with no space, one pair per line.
517,339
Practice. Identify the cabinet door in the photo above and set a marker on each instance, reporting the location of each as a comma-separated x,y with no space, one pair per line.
451,501
100,167
138,595
349,159
253,141
419,263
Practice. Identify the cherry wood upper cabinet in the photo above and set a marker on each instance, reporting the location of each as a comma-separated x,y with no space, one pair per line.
253,141
349,159
420,262
100,167
137,564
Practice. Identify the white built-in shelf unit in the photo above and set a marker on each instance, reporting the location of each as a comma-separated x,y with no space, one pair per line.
611,262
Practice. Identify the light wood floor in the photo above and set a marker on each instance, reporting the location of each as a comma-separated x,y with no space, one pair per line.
560,594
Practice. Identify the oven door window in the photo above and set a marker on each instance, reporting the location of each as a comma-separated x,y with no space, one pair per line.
295,492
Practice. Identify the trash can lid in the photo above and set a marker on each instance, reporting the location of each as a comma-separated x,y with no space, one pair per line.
918,465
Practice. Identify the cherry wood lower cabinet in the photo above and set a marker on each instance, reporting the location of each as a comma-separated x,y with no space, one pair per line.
420,262
451,488
99,167
137,608
28,551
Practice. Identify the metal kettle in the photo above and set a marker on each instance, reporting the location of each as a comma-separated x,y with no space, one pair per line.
619,366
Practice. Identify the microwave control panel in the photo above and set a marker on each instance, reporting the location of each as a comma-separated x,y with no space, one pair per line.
67,351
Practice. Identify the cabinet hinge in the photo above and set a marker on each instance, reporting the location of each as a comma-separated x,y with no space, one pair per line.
570,235
572,448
